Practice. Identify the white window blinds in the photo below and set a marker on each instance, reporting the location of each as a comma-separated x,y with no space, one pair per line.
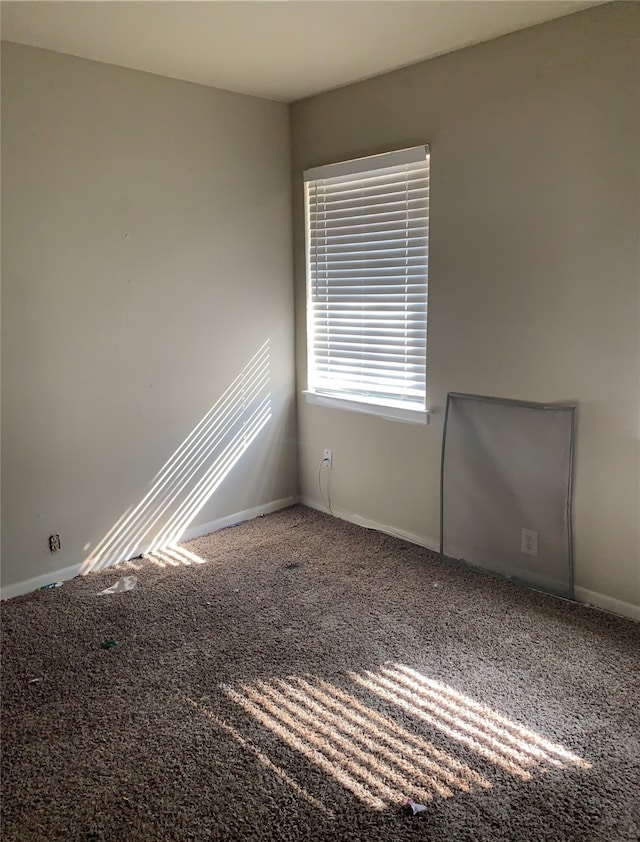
367,250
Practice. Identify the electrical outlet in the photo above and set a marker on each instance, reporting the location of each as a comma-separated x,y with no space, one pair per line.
327,458
54,543
528,542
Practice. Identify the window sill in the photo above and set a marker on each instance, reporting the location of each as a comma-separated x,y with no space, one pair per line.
390,413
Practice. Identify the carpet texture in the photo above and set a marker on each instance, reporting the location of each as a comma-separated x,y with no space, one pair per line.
300,678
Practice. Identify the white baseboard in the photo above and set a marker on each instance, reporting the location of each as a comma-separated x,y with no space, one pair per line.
28,585
236,518
519,575
352,517
33,584
591,598
608,603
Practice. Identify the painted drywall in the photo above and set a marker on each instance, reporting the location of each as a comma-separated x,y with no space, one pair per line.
533,277
146,258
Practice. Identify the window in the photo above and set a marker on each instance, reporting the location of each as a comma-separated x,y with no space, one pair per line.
367,255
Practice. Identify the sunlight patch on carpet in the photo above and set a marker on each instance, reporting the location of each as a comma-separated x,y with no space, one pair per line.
262,757
383,763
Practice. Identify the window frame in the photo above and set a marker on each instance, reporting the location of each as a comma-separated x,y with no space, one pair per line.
396,409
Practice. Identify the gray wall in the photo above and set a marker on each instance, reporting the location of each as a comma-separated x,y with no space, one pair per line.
534,272
146,233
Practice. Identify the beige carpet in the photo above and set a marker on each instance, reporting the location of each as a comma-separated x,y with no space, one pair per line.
300,678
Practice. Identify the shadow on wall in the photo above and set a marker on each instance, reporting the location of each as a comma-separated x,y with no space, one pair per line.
193,473
379,760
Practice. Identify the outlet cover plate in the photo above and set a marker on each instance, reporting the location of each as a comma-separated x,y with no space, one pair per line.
529,542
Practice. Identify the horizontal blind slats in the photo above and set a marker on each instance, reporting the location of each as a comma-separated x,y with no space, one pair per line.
353,231
356,201
367,255
362,244
396,211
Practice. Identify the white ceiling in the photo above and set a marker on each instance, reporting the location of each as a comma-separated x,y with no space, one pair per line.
278,50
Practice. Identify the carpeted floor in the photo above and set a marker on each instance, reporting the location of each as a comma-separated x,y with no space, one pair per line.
302,684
